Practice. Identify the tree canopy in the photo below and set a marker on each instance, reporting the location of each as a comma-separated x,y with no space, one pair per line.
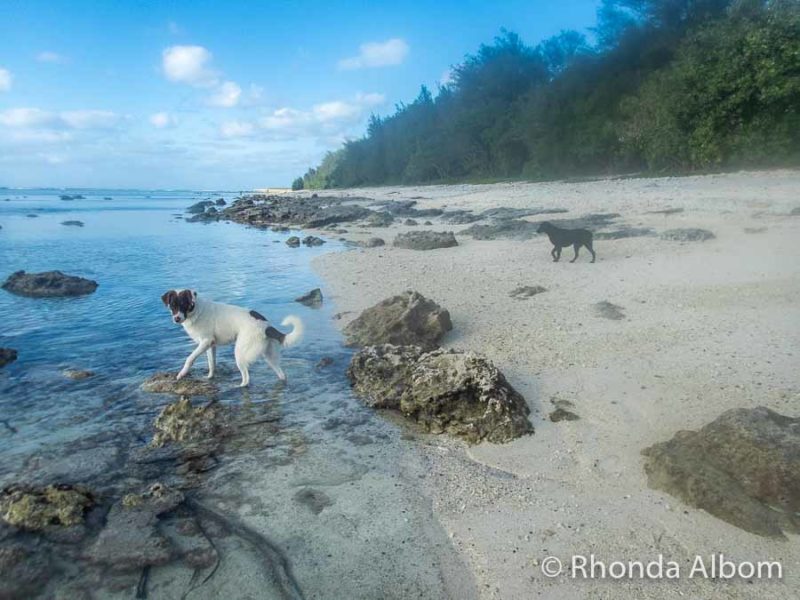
669,86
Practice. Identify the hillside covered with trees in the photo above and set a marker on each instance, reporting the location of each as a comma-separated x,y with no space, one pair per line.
668,86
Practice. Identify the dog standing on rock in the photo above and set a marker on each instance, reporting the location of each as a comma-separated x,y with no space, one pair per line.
213,324
561,238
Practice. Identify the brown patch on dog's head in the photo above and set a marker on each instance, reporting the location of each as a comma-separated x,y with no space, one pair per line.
180,303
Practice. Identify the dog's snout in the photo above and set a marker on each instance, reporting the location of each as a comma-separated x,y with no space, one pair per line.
177,318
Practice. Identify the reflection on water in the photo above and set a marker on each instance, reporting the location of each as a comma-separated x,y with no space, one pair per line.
307,493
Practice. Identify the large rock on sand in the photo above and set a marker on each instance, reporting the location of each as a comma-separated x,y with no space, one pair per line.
425,240
184,423
49,284
689,234
406,319
460,393
743,467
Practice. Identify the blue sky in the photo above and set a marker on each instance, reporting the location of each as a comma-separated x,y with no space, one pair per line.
223,95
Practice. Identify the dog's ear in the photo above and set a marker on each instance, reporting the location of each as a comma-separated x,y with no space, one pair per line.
194,294
167,297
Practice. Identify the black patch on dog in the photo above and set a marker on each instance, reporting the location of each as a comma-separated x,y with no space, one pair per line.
561,238
179,302
274,334
257,315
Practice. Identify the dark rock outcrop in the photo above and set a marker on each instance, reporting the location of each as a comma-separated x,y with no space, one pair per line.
312,299
687,235
425,240
50,284
380,219
743,467
72,223
459,393
77,374
7,355
200,207
293,242
406,319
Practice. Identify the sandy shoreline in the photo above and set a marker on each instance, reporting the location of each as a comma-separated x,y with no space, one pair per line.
708,326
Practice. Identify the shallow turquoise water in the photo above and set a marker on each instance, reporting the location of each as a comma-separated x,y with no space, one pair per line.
135,248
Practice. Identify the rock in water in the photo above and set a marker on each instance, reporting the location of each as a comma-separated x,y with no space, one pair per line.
293,242
460,393
312,240
425,240
50,284
72,223
181,422
165,383
23,572
687,235
199,207
406,319
7,355
36,508
77,374
312,298
743,467
131,539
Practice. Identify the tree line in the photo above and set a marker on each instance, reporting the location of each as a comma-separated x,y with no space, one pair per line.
667,86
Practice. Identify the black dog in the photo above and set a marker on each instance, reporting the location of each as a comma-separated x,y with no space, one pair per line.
561,238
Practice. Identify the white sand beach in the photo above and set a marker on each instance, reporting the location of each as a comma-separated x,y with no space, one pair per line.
707,326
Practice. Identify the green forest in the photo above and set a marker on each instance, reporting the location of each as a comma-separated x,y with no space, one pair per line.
665,86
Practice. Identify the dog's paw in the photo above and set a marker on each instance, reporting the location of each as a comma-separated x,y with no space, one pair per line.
181,375
210,376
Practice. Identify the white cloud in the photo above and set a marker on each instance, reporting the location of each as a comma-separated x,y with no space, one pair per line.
327,118
162,120
5,80
236,129
90,119
36,118
227,95
51,57
188,64
377,54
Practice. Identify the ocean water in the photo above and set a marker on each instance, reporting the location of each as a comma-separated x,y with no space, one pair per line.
332,485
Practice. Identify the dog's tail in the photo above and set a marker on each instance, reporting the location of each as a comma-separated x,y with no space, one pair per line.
294,336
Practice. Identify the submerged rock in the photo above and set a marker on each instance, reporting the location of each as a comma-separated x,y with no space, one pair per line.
410,223
425,240
607,310
182,422
50,284
293,242
72,223
23,572
36,508
131,539
527,291
406,319
624,233
460,393
380,219
77,374
312,299
743,467
687,235
315,500
220,202
7,355
165,383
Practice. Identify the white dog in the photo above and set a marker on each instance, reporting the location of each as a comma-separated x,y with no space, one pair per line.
213,324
